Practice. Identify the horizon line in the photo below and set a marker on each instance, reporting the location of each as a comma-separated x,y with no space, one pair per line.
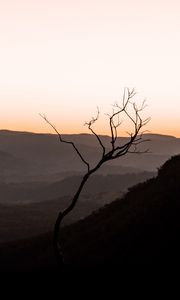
80,133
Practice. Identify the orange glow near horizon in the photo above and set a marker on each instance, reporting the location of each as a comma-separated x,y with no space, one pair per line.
64,58
103,129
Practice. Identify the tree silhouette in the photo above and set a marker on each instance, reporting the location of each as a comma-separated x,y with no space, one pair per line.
116,150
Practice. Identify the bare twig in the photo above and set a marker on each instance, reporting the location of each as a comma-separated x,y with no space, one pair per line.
66,142
89,124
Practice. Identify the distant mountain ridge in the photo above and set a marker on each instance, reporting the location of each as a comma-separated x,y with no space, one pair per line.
39,154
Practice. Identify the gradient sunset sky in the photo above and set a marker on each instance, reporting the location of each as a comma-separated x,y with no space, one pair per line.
65,57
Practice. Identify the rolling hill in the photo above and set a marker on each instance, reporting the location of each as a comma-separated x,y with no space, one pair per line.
42,156
30,209
40,192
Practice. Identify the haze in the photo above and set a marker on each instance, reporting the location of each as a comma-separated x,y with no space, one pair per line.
63,58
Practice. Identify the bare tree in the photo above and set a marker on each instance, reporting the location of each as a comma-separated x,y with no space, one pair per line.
115,151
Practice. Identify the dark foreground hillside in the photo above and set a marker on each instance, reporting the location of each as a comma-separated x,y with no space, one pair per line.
143,227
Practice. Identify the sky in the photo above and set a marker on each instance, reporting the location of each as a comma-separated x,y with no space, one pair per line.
63,58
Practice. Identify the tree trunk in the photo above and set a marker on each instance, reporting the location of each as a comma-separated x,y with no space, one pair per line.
56,243
56,233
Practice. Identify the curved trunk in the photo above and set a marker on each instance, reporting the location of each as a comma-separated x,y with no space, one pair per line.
56,242
61,215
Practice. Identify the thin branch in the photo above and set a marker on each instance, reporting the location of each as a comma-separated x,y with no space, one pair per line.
134,140
113,127
140,152
89,124
66,142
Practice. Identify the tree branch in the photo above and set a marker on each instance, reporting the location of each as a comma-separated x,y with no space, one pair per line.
66,142
89,124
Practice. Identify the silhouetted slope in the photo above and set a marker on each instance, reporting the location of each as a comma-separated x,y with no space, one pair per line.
142,228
